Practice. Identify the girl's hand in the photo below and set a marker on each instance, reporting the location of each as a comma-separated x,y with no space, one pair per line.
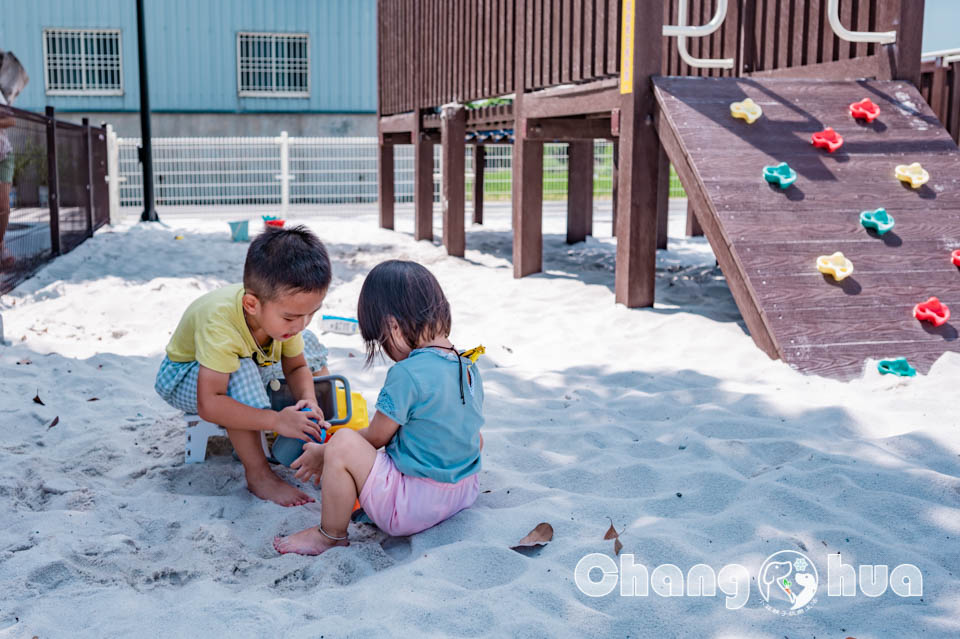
309,465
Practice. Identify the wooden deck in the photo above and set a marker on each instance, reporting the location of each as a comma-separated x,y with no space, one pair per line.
767,240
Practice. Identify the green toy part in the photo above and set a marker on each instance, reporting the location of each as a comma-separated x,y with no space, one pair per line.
878,220
781,175
899,367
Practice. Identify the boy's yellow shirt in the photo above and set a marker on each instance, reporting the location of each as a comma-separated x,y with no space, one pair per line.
214,332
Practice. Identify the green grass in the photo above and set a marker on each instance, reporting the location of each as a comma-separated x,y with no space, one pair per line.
496,182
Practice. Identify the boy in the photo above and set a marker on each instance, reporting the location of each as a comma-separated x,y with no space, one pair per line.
229,341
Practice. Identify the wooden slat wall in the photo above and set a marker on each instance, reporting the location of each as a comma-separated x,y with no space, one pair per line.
772,34
940,87
433,52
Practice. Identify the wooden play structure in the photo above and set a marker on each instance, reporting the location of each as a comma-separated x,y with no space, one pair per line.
636,72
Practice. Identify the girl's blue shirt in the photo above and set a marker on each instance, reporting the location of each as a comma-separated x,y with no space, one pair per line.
439,435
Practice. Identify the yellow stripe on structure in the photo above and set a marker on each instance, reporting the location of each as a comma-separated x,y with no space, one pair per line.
626,46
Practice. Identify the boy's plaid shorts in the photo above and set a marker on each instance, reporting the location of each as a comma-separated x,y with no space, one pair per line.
177,381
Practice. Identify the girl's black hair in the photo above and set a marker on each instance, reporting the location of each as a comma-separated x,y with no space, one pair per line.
410,294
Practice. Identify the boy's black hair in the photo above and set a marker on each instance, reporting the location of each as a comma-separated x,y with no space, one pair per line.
410,294
286,261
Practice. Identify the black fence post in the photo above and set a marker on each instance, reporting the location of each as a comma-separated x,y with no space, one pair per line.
88,152
53,182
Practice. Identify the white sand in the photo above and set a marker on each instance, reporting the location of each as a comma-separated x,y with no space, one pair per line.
593,411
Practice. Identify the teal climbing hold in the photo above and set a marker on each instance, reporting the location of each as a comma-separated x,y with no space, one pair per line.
878,220
781,175
898,366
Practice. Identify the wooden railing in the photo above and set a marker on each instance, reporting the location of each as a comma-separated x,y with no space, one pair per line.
940,87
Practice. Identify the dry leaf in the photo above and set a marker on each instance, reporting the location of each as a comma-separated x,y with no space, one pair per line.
94,399
37,400
611,532
617,546
56,420
540,535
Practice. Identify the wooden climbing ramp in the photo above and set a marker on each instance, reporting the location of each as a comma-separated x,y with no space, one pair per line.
767,240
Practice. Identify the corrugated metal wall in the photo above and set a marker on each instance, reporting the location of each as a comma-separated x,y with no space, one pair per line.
192,51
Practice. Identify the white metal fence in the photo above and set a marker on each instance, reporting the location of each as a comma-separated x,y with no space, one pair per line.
286,170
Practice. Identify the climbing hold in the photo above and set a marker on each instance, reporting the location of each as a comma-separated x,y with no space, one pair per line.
781,175
864,110
955,257
747,110
836,265
827,139
915,174
878,220
933,311
899,366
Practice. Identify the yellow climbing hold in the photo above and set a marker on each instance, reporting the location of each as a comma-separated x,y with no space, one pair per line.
836,265
915,174
747,110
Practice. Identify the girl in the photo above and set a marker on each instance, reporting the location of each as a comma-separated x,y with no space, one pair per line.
429,415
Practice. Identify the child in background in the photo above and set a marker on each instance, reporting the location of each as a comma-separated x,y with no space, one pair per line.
233,341
429,415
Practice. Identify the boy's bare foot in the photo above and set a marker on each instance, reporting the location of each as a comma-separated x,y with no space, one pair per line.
309,541
266,485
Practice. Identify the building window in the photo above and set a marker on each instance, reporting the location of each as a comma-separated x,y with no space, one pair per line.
273,65
82,61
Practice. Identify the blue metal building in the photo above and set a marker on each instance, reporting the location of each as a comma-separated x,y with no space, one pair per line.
217,67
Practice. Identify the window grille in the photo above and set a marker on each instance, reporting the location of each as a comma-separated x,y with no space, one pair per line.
83,61
273,65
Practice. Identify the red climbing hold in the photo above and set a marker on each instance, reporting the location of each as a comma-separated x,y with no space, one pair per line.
933,311
955,257
827,139
864,110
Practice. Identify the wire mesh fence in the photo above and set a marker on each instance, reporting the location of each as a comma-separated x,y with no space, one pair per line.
38,219
252,171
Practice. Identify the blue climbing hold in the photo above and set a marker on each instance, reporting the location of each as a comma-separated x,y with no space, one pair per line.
898,366
781,175
878,220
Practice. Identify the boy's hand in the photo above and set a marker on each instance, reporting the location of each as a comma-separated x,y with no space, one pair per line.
309,464
290,422
315,408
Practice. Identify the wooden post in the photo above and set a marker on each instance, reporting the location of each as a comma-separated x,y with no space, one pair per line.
479,159
615,186
527,195
906,17
639,156
579,190
422,184
693,224
453,122
663,198
527,186
385,185
88,158
53,181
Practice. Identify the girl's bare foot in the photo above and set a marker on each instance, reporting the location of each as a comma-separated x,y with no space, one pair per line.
309,541
266,485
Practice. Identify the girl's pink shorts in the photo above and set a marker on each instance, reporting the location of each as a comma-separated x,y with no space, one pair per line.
403,505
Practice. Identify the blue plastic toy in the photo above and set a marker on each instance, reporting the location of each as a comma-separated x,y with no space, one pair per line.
898,366
878,220
781,175
287,449
240,231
